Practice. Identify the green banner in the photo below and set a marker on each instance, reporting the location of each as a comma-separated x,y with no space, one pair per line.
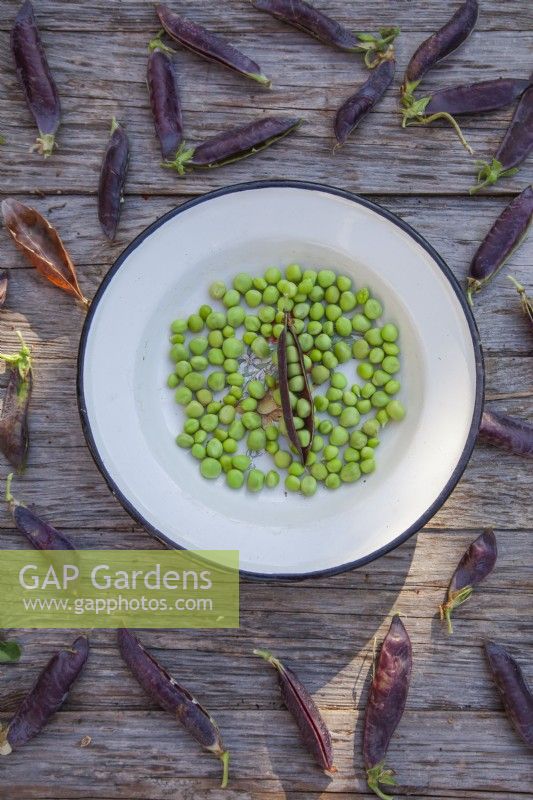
119,588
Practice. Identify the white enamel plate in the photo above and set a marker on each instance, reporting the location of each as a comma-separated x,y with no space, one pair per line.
130,417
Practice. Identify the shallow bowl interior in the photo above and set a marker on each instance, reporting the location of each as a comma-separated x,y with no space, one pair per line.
131,420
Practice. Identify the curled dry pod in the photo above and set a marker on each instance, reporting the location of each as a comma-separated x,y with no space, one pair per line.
302,445
514,691
209,45
475,565
477,98
46,697
3,286
234,145
173,698
165,102
365,98
312,727
386,703
501,241
525,301
35,77
14,436
440,44
515,146
39,533
42,246
509,433
112,179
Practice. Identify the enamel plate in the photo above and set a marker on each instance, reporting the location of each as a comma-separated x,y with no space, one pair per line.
130,418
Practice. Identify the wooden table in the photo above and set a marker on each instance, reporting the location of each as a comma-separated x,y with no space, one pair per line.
454,740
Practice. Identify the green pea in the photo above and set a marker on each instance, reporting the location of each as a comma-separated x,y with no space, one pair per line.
339,436
315,356
293,272
373,309
272,479
215,338
356,389
330,451
333,394
255,480
351,454
172,380
225,462
391,349
194,381
204,396
376,355
314,327
198,451
213,407
242,282
229,445
380,399
380,378
316,312
256,440
260,347
249,337
217,290
350,472
282,459
303,408
308,485
373,337
210,468
230,365
234,478
183,395
389,332
226,414
252,323
191,426
249,404
235,316
235,379
179,353
204,311
251,420
374,441
358,440
342,352
241,462
198,345
325,278
391,364
362,296
367,452
272,447
325,426
253,297
349,398
305,437
333,312
395,410
329,360
320,402
344,282
214,448
178,326
227,331
177,338
199,363
184,440
216,381
287,288
215,357
368,390
271,433
297,383
200,436
232,348
339,380
360,323
231,298
271,295
347,301
319,471
371,427
367,466
292,483
316,294
216,320
382,417
195,323
392,386
323,342
343,326
209,422
272,275
363,406
236,430
349,417
365,370
335,465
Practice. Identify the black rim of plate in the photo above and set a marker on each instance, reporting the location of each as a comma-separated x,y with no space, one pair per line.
316,187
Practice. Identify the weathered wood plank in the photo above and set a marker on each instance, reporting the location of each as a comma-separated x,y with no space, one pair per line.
382,157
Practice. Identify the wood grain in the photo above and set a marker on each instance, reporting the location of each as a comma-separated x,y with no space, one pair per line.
454,742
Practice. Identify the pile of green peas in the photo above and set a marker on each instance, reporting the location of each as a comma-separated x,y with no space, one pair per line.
225,426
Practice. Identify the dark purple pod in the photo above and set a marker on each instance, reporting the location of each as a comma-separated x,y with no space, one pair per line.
35,77
3,286
363,101
14,434
47,696
509,433
312,727
112,179
304,16
514,691
386,703
477,562
165,101
209,45
501,241
441,44
515,146
477,98
235,144
39,533
172,697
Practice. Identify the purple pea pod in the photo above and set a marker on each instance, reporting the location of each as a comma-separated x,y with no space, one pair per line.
363,101
440,44
173,698
39,533
234,145
312,727
526,302
386,703
515,693
502,240
47,696
477,98
112,179
515,146
509,433
14,436
477,562
209,45
3,286
35,78
165,102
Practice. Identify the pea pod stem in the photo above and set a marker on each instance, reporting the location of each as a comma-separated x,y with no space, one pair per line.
525,301
448,118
